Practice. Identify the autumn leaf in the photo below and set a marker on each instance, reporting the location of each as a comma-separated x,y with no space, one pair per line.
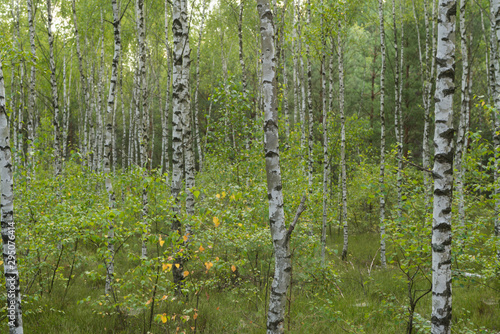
216,222
167,266
232,198
177,265
161,241
195,316
240,224
218,196
223,194
209,265
201,248
163,318
233,268
185,237
186,273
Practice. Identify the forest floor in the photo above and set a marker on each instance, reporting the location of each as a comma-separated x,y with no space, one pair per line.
364,298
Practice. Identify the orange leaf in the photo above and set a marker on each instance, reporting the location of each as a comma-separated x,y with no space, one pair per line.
167,266
201,248
216,221
233,268
185,237
209,265
185,273
195,316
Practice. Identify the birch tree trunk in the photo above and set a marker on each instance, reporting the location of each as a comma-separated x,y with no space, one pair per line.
196,102
31,87
382,135
495,13
108,143
144,139
55,96
180,105
326,164
464,106
295,67
65,111
342,138
309,107
280,234
443,169
14,313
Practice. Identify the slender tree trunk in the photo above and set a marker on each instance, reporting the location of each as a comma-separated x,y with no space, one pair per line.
397,120
495,45
382,135
108,144
464,106
309,107
342,138
65,111
55,96
180,105
280,234
165,130
32,87
296,81
196,93
326,164
14,313
144,138
443,169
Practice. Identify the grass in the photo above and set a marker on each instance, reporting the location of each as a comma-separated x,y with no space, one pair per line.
363,298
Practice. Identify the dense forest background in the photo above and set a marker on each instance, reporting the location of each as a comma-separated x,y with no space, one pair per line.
140,194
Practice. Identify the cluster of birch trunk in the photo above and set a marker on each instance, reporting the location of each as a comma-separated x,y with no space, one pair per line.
93,130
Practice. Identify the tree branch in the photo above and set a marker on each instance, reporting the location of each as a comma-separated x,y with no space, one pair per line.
302,207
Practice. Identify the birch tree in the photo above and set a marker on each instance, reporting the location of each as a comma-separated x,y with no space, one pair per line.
279,233
32,84
382,135
495,42
108,143
196,92
14,313
55,96
443,169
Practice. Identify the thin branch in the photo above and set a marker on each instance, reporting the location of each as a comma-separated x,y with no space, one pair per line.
302,207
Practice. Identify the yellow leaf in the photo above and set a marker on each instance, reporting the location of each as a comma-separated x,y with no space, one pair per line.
216,221
163,318
185,273
185,237
217,258
161,241
1,262
223,194
233,268
209,265
232,198
177,265
482,103
240,224
167,266
195,316
201,248
218,196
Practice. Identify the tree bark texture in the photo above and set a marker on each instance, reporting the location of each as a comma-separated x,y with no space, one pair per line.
443,169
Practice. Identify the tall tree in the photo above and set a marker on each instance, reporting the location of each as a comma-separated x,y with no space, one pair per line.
280,234
382,135
55,96
108,143
14,313
443,169
32,84
495,59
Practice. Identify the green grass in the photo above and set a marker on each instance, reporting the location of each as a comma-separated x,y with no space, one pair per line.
366,299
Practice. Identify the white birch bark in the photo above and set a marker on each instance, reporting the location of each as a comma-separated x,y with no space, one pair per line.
165,130
65,111
464,106
309,107
31,87
443,169
55,96
382,135
326,164
14,313
180,106
495,43
342,138
196,92
83,83
295,67
109,143
279,233
144,139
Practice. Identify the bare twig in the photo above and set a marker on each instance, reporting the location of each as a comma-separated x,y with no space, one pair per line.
302,207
